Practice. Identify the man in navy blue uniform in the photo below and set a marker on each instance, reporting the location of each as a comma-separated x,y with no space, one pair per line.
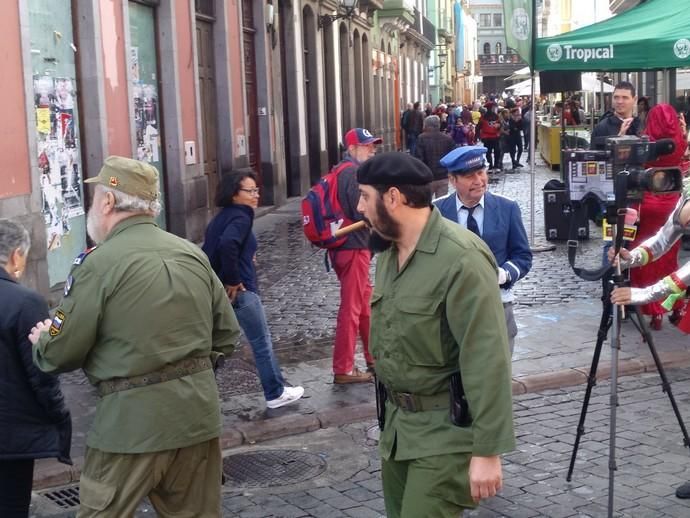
497,220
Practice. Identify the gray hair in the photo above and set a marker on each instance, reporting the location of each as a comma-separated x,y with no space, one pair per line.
12,236
432,122
128,203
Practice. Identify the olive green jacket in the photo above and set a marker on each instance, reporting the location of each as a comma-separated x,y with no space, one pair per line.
442,312
143,299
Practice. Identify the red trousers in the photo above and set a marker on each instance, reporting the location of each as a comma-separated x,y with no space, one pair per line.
354,314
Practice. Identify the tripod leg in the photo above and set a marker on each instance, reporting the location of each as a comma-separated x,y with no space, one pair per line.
665,384
604,326
613,402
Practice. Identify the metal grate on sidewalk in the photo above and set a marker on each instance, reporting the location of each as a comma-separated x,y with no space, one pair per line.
63,497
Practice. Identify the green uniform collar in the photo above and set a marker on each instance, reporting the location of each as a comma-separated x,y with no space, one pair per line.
123,225
428,241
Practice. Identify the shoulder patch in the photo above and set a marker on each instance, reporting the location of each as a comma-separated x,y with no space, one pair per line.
81,257
68,285
57,323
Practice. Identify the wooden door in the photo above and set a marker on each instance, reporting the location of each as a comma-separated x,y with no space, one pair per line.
209,110
250,86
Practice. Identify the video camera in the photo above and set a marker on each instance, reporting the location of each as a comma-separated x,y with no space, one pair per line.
598,172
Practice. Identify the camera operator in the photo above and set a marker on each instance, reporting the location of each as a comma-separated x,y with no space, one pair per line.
618,123
621,121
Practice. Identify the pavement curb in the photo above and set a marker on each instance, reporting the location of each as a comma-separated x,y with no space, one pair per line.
50,473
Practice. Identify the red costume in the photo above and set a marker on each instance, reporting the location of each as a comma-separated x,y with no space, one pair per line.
654,210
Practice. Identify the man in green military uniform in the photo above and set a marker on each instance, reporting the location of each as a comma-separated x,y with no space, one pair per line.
436,312
143,315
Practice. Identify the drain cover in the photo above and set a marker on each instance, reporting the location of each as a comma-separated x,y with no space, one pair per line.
272,468
64,497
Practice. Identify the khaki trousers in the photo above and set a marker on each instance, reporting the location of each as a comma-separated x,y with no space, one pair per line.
184,482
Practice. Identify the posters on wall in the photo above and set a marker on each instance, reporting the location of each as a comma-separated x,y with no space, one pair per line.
145,113
58,155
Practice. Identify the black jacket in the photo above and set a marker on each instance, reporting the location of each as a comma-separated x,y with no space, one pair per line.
609,126
34,421
432,146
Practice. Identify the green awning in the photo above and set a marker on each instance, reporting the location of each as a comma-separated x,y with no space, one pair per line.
652,35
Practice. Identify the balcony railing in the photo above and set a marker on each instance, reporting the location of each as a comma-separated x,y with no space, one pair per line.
444,24
499,59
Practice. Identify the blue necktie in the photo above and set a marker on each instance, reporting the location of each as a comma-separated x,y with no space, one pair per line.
471,222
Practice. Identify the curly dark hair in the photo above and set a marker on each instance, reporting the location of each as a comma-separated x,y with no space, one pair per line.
230,184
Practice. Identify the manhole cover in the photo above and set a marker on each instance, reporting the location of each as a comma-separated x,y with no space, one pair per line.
272,468
64,497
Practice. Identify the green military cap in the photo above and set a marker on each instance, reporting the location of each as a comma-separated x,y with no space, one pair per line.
130,176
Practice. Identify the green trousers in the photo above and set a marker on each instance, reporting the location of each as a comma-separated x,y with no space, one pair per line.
433,487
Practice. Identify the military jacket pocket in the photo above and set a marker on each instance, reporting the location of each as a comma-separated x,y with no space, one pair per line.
420,331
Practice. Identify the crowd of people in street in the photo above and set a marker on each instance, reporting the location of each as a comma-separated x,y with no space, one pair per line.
502,126
149,316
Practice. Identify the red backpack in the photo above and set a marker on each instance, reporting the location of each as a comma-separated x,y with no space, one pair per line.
322,213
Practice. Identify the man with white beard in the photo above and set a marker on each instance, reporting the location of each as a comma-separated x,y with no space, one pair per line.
144,316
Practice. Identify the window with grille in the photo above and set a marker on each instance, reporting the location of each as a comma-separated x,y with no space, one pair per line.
204,7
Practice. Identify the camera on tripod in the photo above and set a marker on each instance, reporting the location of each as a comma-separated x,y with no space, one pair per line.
601,174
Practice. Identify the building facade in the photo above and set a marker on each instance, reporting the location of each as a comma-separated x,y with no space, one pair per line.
197,87
496,59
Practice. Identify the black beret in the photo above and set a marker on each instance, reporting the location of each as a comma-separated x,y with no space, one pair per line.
394,168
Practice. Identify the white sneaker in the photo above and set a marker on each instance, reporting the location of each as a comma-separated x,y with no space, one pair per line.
289,395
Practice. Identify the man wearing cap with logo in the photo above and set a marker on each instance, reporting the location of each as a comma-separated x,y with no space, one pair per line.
497,220
436,332
145,317
351,264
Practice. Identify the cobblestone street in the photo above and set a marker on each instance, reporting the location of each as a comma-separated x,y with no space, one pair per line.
650,455
301,298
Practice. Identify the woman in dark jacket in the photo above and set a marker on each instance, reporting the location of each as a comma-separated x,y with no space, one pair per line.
230,246
34,421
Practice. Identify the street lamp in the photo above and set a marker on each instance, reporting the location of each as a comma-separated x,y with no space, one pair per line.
442,58
348,8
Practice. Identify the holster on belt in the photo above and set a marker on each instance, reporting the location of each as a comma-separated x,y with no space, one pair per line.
459,409
218,360
381,395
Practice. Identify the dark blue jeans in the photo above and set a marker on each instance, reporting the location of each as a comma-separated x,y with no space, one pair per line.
412,143
252,319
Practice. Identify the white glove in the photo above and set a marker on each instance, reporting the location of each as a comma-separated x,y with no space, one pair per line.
502,276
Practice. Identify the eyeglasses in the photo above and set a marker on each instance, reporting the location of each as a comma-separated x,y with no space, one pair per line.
253,192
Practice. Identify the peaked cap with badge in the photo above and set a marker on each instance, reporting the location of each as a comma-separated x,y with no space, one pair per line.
464,160
130,176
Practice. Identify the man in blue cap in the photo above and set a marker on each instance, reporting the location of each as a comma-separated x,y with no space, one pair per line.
497,220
